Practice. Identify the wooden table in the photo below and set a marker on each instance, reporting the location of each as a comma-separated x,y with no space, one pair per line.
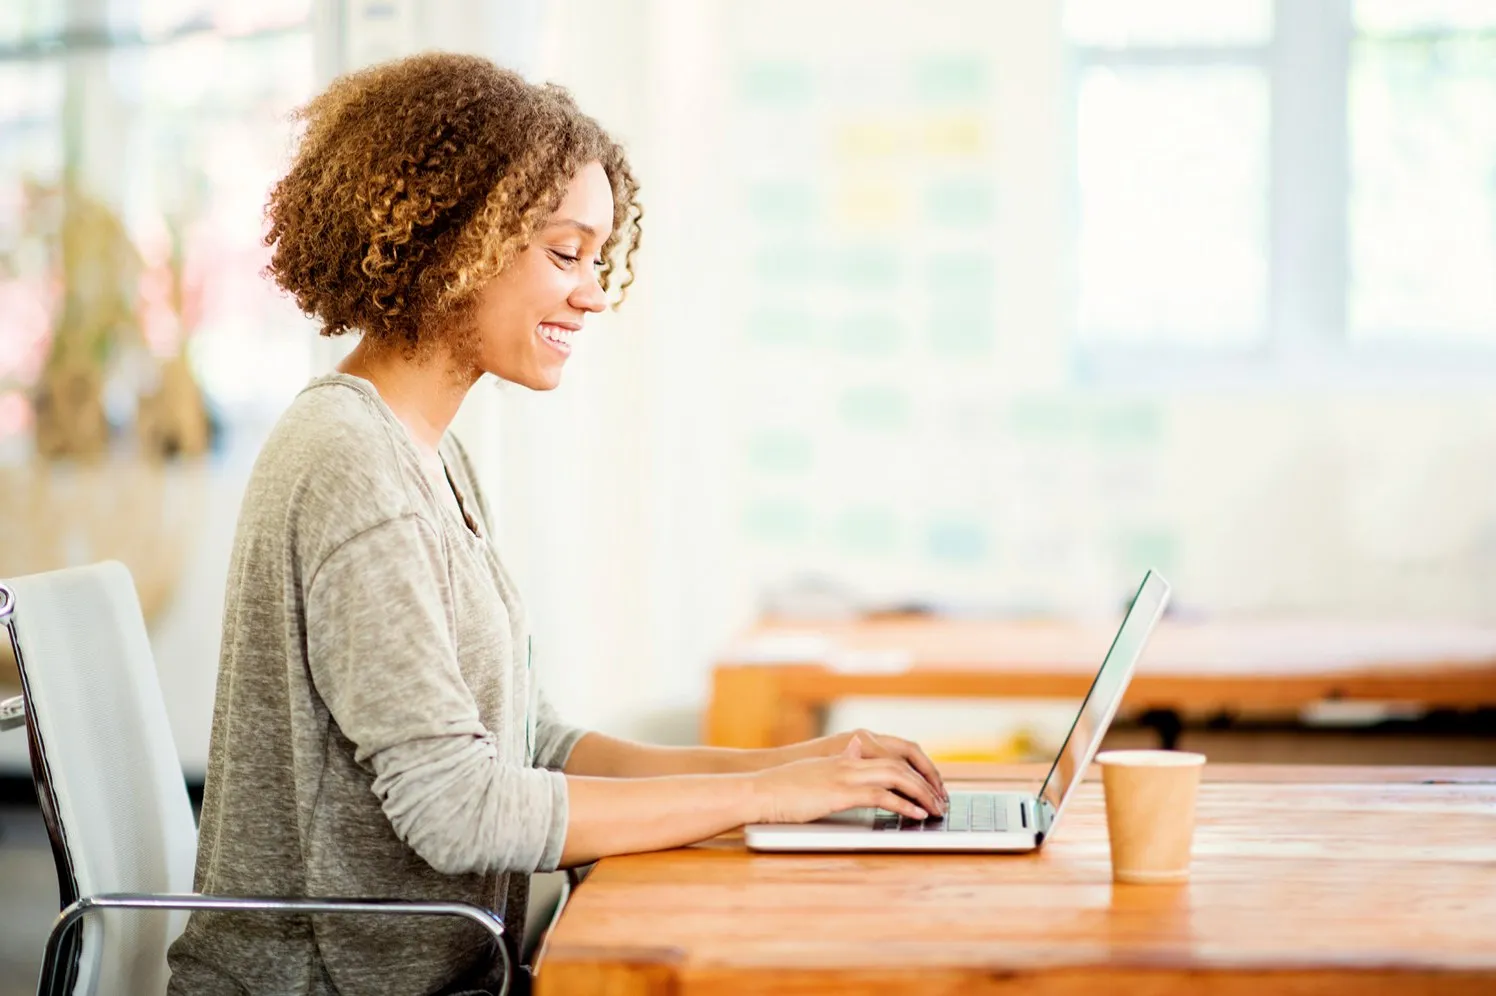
770,687
1323,880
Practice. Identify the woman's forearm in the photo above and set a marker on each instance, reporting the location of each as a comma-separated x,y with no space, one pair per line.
635,811
627,815
602,756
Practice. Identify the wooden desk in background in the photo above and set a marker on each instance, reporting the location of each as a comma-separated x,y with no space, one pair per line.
1305,879
1186,668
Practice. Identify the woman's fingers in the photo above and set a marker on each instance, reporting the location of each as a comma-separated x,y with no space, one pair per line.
917,759
894,803
895,774
912,784
908,752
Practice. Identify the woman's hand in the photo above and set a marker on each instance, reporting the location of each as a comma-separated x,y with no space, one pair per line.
879,745
808,789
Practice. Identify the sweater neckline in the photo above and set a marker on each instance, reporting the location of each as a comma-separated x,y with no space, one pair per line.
468,520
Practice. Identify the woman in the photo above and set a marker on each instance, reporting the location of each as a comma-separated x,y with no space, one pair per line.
377,731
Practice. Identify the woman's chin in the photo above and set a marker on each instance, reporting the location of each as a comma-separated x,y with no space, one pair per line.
536,378
544,379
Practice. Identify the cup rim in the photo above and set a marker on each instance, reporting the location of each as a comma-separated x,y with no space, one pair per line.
1150,758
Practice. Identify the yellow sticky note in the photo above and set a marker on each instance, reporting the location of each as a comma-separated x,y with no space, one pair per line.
960,136
877,139
872,204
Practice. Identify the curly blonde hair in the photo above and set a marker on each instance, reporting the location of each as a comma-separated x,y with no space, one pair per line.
417,181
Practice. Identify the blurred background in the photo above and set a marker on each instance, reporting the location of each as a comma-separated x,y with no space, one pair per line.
970,310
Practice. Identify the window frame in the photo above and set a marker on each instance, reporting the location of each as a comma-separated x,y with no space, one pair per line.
1305,341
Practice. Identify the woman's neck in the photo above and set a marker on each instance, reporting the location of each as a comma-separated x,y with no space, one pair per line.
424,394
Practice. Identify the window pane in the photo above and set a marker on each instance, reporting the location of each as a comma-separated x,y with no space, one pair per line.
1110,24
1384,16
24,21
167,183
1173,195
30,161
1423,189
208,156
230,17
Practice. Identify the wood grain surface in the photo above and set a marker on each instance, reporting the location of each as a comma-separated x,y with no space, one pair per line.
1321,880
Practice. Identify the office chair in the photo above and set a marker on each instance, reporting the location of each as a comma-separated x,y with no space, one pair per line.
111,791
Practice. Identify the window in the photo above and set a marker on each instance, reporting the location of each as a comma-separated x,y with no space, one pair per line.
1306,185
142,355
1422,150
147,140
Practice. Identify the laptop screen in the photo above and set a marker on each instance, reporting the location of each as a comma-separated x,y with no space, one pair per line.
1101,702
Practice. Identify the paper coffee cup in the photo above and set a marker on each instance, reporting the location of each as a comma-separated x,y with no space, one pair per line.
1150,812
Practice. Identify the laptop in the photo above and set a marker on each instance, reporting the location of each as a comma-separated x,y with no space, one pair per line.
992,821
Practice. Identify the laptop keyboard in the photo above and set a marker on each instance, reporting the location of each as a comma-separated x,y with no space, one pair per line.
973,812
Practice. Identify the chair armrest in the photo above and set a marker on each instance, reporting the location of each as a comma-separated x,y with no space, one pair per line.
75,912
12,712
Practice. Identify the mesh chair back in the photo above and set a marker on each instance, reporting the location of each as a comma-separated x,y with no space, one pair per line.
103,754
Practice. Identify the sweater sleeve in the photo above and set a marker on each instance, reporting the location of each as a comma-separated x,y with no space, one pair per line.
382,657
554,739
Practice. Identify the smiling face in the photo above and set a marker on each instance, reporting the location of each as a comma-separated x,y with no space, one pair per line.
528,317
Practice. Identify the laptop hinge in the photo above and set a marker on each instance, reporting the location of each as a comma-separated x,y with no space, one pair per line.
1042,818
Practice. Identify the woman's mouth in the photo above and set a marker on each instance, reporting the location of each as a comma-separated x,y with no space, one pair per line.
558,337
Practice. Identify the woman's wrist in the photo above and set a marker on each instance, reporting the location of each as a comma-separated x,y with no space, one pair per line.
746,761
750,760
750,803
773,757
818,747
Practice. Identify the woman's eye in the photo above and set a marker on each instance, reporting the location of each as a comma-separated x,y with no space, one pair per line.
572,260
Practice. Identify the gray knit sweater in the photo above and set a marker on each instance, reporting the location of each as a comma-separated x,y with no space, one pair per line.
377,730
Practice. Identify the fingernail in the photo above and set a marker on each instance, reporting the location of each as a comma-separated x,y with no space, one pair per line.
922,814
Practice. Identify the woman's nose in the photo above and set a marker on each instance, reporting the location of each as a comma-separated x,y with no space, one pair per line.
590,296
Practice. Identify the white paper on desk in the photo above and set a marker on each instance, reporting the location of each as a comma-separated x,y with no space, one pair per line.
784,648
870,661
818,648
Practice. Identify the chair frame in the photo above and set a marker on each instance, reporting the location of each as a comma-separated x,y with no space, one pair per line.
60,961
